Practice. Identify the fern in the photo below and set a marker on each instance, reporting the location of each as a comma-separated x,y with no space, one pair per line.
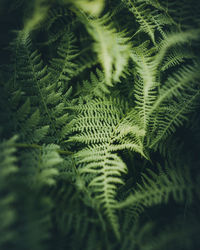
113,52
175,58
8,170
95,87
99,158
149,20
63,68
52,106
156,189
149,94
175,116
100,102
145,88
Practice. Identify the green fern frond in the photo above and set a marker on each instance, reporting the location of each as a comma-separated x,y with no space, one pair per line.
48,161
184,78
142,13
7,194
174,39
34,76
154,3
101,125
145,89
175,57
150,95
112,47
157,188
95,87
98,158
107,168
172,116
63,67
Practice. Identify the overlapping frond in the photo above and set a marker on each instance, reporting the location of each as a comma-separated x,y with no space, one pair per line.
7,195
168,118
96,86
87,137
145,88
33,75
64,67
96,125
149,19
176,57
112,47
153,93
157,188
174,39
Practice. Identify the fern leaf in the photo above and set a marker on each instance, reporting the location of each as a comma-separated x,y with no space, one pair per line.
107,168
102,126
98,158
63,67
172,39
156,189
145,86
168,118
46,169
95,87
141,13
175,83
175,58
32,74
8,197
112,48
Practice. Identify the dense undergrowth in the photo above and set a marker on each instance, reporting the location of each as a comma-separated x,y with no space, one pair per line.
99,124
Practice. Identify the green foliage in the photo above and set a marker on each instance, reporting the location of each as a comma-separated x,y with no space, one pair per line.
99,132
8,196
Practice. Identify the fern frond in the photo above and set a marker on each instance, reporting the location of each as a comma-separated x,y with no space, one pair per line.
63,67
112,47
95,87
145,86
177,82
102,126
172,39
150,95
107,168
156,189
48,161
175,57
34,76
98,158
172,116
7,194
142,13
